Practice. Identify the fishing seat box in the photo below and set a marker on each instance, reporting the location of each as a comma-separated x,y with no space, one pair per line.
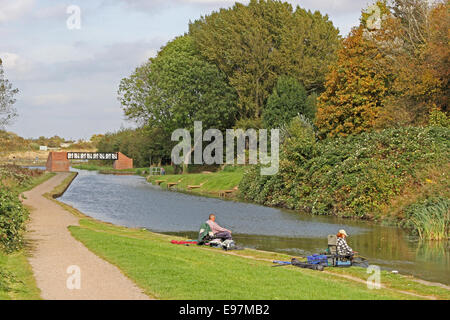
318,259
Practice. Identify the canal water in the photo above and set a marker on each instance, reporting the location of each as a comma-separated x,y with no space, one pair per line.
132,202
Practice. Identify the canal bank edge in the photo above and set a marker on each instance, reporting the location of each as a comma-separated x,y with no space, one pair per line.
399,283
64,186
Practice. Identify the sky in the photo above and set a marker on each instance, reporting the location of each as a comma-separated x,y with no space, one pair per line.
68,73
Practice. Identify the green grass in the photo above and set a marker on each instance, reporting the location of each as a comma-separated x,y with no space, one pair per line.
35,181
211,183
168,271
59,190
399,282
21,284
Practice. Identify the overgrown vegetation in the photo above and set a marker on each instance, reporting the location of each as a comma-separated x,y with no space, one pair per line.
12,220
429,218
16,279
354,176
13,214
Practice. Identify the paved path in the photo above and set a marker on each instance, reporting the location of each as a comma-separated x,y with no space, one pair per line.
54,250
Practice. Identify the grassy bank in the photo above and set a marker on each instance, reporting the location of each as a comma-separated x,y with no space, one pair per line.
210,184
36,181
16,277
168,271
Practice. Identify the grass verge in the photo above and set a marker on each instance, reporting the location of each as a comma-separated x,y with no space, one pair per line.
168,271
17,282
37,181
209,184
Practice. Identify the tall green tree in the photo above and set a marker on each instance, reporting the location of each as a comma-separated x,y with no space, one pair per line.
177,88
7,100
256,43
289,99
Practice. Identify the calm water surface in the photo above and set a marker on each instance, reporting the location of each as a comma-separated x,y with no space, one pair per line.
132,202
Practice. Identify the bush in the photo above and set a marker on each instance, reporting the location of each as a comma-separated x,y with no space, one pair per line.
439,118
12,220
352,176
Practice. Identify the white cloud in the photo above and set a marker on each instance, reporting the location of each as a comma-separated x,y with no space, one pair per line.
334,6
12,10
57,53
329,6
56,11
50,99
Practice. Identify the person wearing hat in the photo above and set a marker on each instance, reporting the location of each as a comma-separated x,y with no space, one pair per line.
342,247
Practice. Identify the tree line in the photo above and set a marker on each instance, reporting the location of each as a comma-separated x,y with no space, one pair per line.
262,64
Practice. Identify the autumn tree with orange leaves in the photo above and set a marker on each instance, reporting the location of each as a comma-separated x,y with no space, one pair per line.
389,76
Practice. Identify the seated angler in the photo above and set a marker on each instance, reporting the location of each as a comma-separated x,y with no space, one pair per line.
342,247
218,231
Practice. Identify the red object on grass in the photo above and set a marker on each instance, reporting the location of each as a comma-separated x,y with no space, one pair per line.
183,242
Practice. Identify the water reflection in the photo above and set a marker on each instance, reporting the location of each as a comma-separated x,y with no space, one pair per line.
130,201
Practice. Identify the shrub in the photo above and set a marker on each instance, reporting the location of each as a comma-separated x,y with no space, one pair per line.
12,220
439,118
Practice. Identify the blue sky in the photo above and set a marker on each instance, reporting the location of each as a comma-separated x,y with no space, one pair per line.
68,79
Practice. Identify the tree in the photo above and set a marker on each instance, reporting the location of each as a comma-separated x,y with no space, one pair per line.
144,145
256,43
289,99
355,89
415,38
7,93
96,138
177,88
